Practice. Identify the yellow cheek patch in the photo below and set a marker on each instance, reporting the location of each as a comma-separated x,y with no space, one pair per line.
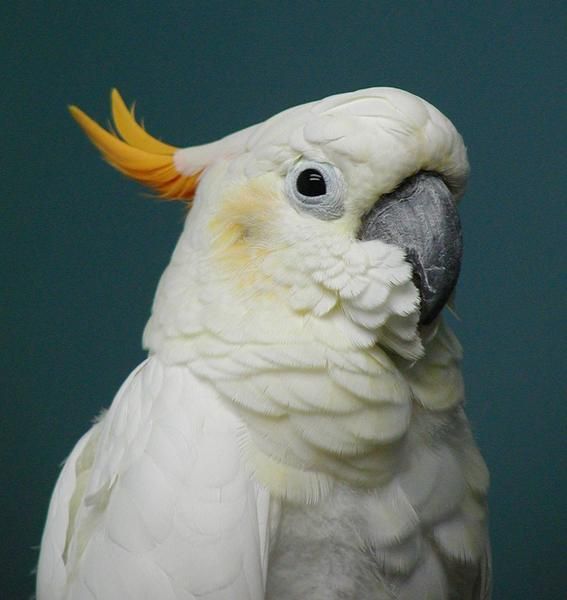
137,154
242,229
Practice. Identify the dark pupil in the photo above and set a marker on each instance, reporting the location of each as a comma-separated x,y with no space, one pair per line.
311,183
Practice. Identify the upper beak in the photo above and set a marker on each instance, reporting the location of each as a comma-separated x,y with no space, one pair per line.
421,217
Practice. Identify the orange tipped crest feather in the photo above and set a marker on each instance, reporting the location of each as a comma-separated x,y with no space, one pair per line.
138,155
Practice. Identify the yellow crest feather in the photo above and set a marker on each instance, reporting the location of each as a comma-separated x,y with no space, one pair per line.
136,153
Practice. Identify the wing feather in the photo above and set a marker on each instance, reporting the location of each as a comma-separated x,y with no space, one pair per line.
155,501
51,571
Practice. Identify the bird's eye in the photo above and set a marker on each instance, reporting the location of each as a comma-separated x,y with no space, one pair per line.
310,182
316,188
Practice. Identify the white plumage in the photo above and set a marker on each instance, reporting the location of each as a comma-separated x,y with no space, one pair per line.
295,432
167,509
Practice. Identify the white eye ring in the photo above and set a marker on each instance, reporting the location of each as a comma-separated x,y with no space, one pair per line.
316,188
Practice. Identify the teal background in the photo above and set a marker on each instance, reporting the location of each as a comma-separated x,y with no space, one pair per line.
82,247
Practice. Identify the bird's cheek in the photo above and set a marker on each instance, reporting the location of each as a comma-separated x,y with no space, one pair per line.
241,231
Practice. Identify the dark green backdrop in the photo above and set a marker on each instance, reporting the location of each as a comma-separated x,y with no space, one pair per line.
83,248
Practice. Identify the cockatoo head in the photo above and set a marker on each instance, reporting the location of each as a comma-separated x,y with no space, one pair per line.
343,210
306,286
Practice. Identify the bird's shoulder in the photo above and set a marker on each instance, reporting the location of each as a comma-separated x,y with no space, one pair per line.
154,494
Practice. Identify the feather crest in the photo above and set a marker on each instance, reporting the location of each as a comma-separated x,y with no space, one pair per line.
136,153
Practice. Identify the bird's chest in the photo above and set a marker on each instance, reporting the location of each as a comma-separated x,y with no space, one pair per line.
322,551
355,545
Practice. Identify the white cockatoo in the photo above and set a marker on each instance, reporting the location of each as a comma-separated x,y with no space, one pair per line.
297,430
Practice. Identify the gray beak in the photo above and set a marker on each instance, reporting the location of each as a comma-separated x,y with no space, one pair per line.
421,217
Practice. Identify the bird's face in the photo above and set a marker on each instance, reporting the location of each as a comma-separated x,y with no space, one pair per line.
350,209
340,214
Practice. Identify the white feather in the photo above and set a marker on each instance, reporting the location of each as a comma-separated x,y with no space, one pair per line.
175,487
